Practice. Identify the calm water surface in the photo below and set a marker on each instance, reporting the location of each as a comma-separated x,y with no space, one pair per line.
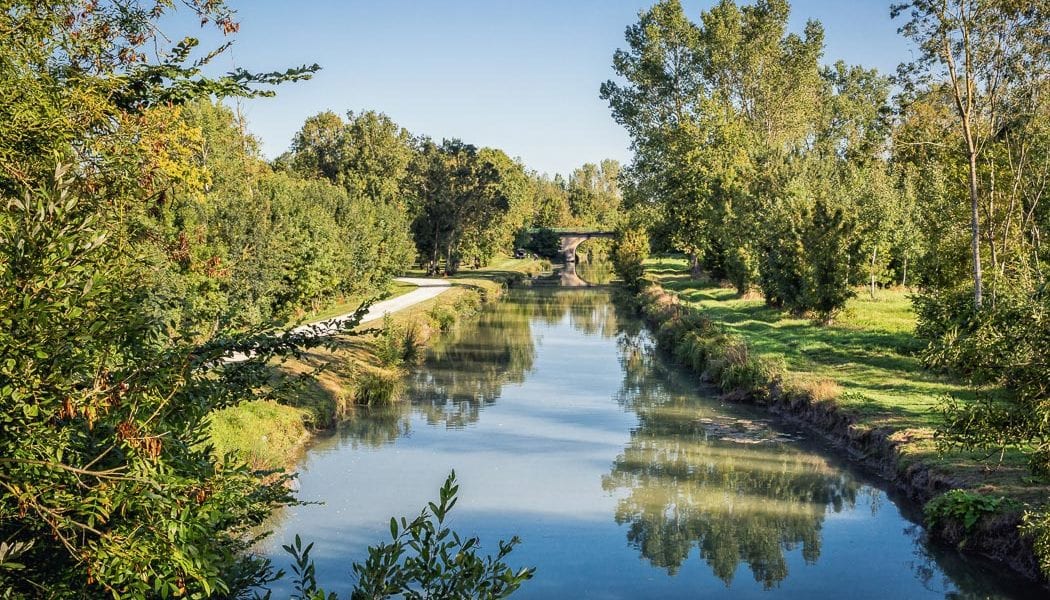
623,478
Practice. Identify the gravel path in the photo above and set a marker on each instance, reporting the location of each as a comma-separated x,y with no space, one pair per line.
427,289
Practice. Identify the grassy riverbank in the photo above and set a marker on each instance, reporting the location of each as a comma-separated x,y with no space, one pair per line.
859,380
330,382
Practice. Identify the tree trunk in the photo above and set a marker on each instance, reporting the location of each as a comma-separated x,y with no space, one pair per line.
904,277
975,230
694,265
871,271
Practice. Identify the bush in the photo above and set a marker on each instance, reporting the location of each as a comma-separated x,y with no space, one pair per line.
390,344
963,507
1036,525
629,254
1003,344
413,342
444,317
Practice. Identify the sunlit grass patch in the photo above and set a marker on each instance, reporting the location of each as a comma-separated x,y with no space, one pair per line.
866,364
263,433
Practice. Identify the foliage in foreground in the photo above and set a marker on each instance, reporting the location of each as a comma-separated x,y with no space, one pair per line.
1036,526
425,559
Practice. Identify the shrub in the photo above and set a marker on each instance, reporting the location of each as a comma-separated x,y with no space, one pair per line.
390,344
1002,344
629,254
963,507
1036,525
444,317
413,342
468,303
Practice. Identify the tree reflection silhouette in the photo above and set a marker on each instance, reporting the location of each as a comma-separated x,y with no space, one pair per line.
738,500
468,368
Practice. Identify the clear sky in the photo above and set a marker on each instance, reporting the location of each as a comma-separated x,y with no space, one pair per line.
520,75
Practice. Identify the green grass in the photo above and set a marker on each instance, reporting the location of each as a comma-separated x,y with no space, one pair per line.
268,434
870,352
262,432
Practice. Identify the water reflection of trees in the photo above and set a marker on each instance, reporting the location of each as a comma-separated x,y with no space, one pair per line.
467,369
737,500
589,311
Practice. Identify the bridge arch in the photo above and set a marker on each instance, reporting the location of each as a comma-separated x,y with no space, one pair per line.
571,238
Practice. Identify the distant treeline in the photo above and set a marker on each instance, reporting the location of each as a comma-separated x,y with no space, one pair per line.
461,204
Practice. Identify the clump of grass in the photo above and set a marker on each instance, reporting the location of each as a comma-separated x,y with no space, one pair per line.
815,390
262,433
743,371
444,317
400,344
378,386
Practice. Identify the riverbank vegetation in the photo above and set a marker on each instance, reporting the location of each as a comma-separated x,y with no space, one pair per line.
151,261
805,195
364,369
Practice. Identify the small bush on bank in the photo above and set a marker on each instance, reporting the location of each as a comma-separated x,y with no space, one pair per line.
444,318
1036,526
468,303
963,507
390,343
413,343
1004,343
629,254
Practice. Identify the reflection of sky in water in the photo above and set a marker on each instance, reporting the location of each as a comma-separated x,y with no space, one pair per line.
609,471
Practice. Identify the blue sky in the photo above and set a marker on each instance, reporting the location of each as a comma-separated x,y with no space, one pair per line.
519,75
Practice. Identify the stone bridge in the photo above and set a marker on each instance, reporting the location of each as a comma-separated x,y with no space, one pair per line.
572,237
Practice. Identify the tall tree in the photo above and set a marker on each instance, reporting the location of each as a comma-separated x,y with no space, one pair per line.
993,57
458,199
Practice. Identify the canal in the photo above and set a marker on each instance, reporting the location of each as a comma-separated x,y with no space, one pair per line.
623,477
